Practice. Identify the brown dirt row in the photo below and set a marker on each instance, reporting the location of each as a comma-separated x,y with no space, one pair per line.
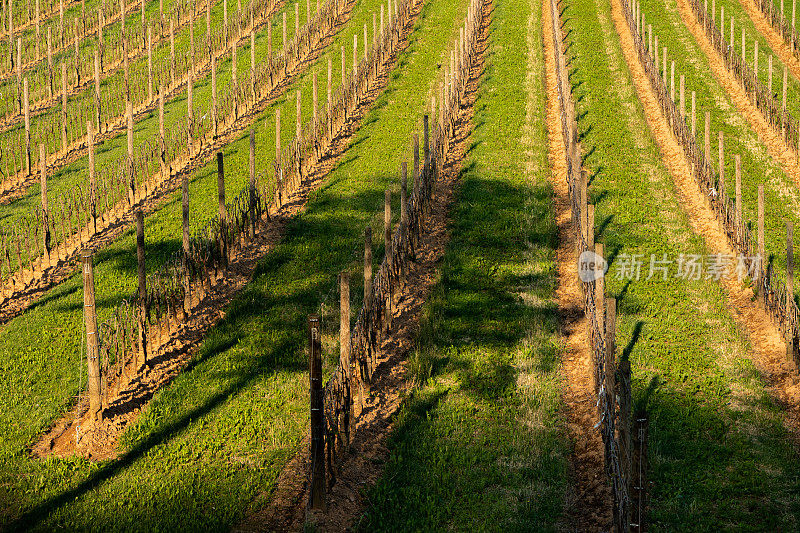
99,440
776,148
774,39
767,349
363,465
121,217
593,503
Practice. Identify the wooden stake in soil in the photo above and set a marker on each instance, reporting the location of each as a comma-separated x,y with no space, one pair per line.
92,182
789,288
64,107
187,301
252,183
344,347
761,246
142,278
721,142
708,138
738,199
367,267
694,114
27,109
317,497
92,348
682,98
45,210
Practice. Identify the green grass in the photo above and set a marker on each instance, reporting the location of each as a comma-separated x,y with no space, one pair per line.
758,167
719,457
209,444
480,445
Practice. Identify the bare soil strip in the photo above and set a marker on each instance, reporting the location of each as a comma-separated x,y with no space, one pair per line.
115,222
74,435
364,464
776,148
767,349
592,511
774,39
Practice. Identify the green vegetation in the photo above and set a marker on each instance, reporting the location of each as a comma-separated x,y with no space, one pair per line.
718,454
480,445
212,443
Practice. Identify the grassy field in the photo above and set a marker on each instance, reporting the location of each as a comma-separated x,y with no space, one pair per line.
718,454
481,444
237,413
780,193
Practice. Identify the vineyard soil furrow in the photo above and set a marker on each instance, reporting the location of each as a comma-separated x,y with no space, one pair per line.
593,501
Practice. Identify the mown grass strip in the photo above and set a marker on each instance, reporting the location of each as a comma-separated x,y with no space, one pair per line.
481,444
718,453
221,432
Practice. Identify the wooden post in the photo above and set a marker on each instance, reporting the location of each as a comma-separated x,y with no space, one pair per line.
694,115
769,75
187,301
744,54
789,288
253,65
344,343
404,199
278,135
92,348
682,98
299,118
755,58
45,209
149,63
317,497
97,89
252,183
761,245
590,227
214,113
330,75
50,60
367,267
296,19
738,199
387,218
131,173
599,296
92,182
672,81
64,140
721,139
343,61
161,136
785,82
283,35
142,278
708,138
172,51
190,112
27,109
314,97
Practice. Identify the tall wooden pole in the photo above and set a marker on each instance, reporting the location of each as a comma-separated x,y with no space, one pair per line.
92,342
